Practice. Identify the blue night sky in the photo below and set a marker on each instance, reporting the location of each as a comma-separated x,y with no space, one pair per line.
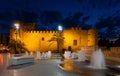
92,8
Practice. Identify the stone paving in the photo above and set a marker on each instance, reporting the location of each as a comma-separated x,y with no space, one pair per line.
39,68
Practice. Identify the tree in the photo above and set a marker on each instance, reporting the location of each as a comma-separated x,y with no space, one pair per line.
117,42
111,32
20,46
103,42
58,37
110,26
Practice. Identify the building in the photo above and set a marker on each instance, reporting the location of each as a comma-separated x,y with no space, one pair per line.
4,40
37,40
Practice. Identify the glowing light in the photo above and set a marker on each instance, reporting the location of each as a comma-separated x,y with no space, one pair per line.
16,26
60,28
1,59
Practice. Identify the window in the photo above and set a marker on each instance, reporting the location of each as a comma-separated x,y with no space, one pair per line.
42,38
74,42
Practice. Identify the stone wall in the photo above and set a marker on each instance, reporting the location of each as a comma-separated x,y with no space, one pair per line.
88,50
37,40
112,52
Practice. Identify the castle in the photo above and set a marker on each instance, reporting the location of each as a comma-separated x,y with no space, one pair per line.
37,40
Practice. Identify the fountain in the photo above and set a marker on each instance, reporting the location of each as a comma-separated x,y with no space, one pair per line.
38,55
67,54
26,53
73,55
48,54
43,55
81,56
96,67
31,53
97,60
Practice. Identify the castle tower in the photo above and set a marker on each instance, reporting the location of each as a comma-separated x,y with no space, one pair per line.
76,38
23,27
92,37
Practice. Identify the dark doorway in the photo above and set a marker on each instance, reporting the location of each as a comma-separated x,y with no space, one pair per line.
69,48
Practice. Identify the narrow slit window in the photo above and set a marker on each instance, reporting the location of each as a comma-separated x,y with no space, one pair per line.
74,42
42,38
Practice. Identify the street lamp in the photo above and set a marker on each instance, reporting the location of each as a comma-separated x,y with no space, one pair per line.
17,28
59,40
60,28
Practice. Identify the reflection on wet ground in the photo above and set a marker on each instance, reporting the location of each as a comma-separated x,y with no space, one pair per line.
13,67
69,67
4,62
84,69
79,68
1,59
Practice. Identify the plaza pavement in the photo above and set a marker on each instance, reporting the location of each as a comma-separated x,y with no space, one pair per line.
39,68
42,68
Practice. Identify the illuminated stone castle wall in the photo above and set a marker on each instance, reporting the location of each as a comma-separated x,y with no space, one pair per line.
39,40
74,38
83,38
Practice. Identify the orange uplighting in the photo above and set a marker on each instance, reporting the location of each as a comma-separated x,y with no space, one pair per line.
38,40
68,66
16,25
1,59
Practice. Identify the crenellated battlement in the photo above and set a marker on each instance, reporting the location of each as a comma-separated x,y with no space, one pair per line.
76,28
39,31
44,40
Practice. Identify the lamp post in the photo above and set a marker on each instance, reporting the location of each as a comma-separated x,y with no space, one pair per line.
17,28
59,38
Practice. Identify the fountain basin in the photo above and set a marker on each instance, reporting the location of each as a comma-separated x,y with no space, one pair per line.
83,68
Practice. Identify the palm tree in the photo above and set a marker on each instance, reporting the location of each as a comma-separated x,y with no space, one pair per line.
20,46
59,39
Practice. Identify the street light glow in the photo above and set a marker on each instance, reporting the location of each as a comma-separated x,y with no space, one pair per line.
60,28
17,26
59,46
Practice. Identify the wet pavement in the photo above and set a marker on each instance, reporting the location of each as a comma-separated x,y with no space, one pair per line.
52,68
39,68
83,68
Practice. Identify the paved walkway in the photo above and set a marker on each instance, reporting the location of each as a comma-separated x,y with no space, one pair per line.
45,68
39,68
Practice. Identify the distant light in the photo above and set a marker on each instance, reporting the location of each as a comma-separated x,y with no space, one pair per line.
60,28
118,66
16,26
